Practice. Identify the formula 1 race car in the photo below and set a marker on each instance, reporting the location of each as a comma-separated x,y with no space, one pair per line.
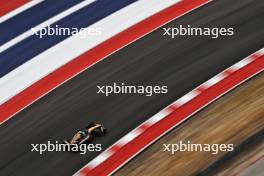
86,135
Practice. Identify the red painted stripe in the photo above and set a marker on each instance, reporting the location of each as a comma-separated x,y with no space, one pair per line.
69,70
7,6
175,118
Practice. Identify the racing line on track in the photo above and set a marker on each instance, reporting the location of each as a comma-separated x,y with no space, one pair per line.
173,115
146,133
96,54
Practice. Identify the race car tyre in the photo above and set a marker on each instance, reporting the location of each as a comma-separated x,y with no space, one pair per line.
100,131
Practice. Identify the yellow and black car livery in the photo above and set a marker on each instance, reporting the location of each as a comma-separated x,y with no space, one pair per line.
92,130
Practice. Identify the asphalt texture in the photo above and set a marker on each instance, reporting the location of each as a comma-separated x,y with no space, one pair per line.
181,63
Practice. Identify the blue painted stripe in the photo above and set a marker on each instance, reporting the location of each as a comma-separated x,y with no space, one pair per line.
32,46
32,17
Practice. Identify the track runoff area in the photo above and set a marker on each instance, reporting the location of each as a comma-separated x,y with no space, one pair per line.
172,115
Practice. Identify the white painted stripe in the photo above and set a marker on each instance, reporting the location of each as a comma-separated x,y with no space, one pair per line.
58,55
214,80
80,173
241,64
157,117
100,158
19,10
107,153
261,52
186,98
129,137
45,24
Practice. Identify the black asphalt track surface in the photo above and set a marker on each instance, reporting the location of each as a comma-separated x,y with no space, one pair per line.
181,63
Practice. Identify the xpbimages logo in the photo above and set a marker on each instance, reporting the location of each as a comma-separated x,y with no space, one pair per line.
189,147
64,31
59,147
129,89
197,31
